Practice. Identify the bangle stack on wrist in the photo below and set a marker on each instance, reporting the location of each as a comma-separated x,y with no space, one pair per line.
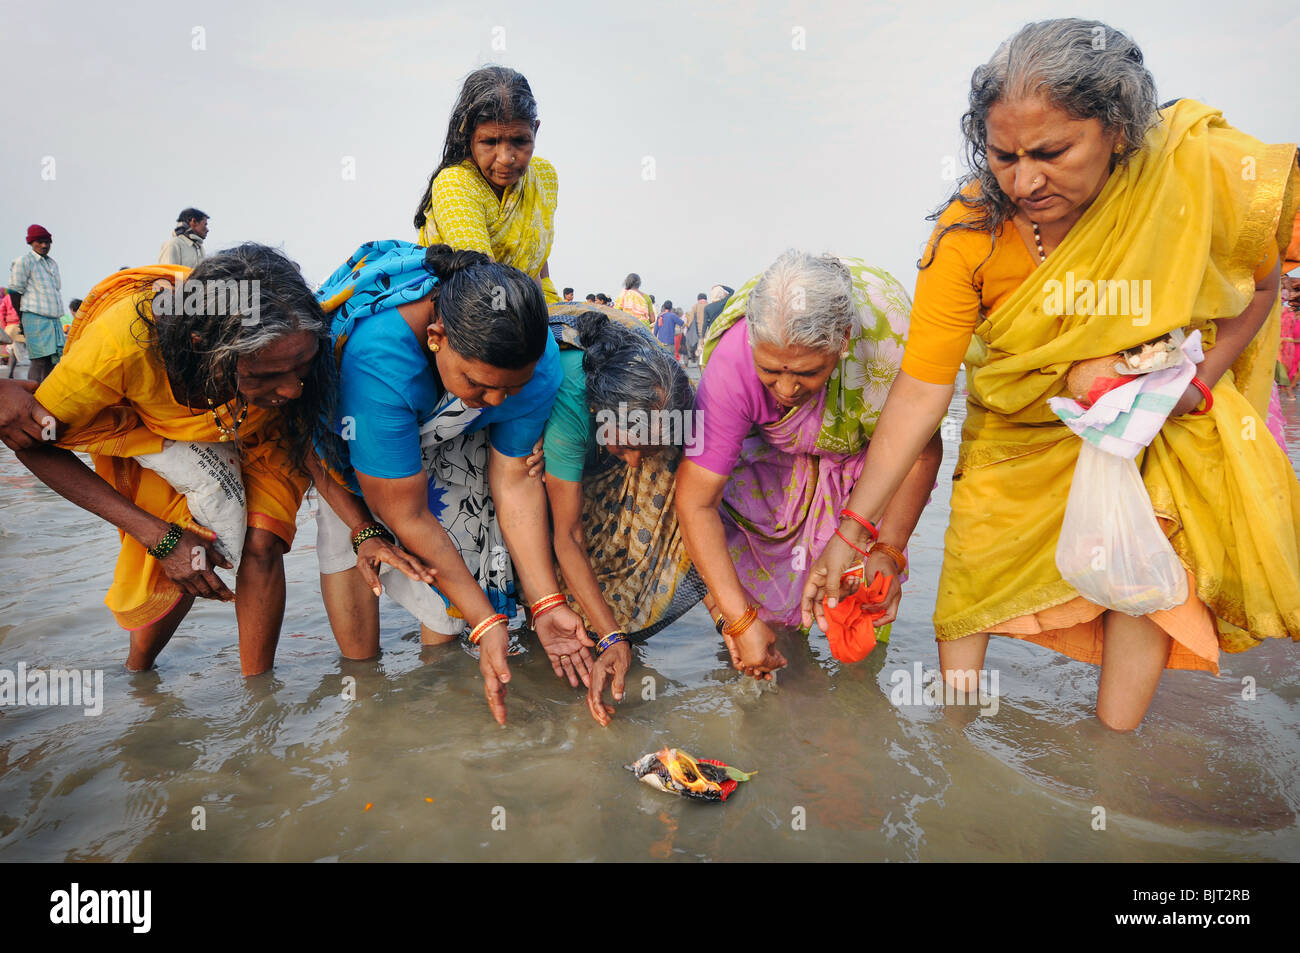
167,543
1205,391
862,521
476,634
369,531
896,555
733,629
545,605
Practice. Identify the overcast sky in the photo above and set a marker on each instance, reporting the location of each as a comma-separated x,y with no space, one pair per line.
694,141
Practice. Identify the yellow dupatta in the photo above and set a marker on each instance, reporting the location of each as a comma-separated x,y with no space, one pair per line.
1189,220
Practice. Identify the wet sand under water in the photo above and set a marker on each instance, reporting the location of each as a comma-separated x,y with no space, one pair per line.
285,765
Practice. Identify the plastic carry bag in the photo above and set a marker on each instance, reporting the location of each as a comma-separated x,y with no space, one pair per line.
1112,549
211,480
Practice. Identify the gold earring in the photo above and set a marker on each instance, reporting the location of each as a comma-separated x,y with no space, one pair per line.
433,347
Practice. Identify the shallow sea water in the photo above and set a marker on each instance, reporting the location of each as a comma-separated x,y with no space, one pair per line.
284,766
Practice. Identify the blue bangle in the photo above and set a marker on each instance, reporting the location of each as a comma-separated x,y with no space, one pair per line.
609,641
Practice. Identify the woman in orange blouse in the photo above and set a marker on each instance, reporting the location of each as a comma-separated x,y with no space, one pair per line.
1080,178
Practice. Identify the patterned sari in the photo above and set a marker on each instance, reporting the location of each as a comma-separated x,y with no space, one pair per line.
516,229
629,521
781,505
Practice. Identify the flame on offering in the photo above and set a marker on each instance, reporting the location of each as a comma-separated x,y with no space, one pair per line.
685,770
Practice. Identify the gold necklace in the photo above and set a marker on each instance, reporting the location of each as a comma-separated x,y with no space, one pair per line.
233,432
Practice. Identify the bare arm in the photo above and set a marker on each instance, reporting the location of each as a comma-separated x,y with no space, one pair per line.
403,504
911,415
64,473
354,513
571,552
1231,339
699,493
522,511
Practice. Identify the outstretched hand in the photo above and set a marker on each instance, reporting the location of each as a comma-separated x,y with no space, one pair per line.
610,667
495,670
377,550
566,643
824,581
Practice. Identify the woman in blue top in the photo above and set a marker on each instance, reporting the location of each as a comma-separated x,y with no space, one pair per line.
447,377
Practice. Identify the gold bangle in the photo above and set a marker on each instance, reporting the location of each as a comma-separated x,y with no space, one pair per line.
896,555
477,633
733,629
546,604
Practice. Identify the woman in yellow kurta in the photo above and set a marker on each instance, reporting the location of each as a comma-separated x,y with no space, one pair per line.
490,193
138,374
1076,181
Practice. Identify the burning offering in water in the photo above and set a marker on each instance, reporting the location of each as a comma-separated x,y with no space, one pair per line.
678,773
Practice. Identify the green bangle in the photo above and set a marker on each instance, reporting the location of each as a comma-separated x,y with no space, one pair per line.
167,543
370,532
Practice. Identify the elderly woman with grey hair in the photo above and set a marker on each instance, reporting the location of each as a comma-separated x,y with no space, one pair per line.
1078,180
613,445
796,370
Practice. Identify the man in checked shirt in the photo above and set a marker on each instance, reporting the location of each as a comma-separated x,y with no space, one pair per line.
35,293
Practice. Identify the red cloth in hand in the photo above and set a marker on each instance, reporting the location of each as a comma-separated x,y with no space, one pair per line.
850,625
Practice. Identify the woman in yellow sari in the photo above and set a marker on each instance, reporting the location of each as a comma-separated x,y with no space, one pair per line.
1079,177
490,193
160,355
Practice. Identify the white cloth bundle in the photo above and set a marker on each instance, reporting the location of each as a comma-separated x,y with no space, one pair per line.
211,480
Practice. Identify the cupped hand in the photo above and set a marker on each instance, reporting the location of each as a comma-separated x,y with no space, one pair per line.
824,581
495,670
878,562
566,643
377,550
192,563
611,667
754,651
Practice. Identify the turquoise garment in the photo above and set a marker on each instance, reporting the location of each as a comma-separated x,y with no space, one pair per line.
571,432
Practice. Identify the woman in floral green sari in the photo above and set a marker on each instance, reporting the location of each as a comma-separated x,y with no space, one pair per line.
796,369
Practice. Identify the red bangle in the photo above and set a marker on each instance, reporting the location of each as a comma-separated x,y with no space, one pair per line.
1209,398
850,542
865,523
477,633
546,604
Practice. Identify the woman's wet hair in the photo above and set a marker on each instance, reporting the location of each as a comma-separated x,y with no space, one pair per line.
1085,68
490,312
201,352
633,280
489,94
629,369
802,300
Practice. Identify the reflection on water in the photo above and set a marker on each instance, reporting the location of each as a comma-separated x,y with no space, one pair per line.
282,767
